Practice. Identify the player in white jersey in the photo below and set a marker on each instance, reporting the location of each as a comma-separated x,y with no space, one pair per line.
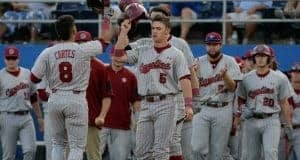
161,67
283,143
176,151
17,97
263,93
295,101
66,66
217,74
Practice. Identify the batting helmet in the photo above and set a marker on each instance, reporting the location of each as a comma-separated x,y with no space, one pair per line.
98,5
262,49
83,36
213,37
134,12
124,3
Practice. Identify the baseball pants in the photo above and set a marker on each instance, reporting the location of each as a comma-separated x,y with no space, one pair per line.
154,129
14,127
211,129
257,132
47,130
93,146
118,142
295,155
175,145
186,139
68,115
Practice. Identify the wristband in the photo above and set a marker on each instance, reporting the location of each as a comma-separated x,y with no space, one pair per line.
188,101
195,91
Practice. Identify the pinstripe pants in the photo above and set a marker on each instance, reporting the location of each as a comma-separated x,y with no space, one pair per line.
154,129
68,115
211,129
257,132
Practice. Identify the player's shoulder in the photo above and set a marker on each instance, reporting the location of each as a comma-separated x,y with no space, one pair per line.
25,70
228,58
249,74
2,71
177,39
202,58
176,51
129,73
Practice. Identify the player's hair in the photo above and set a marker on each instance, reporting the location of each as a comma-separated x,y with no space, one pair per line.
64,26
162,10
163,20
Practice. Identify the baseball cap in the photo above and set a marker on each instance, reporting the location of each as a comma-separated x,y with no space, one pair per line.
295,67
83,36
11,52
213,37
238,60
247,55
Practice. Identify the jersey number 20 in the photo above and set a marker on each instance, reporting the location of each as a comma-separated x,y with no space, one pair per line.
65,71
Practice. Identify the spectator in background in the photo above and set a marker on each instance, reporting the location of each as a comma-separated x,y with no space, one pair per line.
187,11
245,9
292,8
23,11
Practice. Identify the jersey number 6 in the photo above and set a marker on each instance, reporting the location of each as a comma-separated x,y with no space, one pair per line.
65,71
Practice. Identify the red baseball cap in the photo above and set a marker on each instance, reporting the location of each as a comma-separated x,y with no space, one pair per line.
247,55
11,51
83,36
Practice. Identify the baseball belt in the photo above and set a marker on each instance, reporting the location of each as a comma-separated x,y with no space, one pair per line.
297,126
19,112
262,115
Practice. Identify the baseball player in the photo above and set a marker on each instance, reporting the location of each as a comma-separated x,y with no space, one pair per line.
66,66
116,129
175,149
217,74
248,62
17,97
262,101
295,101
161,67
98,96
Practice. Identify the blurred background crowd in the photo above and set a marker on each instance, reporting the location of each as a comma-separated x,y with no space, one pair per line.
186,16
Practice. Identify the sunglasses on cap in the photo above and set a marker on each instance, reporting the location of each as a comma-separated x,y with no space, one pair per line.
11,58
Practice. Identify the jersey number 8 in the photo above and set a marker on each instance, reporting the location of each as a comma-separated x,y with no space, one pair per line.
65,71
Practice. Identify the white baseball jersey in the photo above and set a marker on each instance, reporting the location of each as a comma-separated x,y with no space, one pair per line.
212,83
296,114
263,93
15,91
179,43
158,73
67,65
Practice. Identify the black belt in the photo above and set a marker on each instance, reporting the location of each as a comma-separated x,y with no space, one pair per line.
74,91
216,104
262,115
297,126
155,98
19,112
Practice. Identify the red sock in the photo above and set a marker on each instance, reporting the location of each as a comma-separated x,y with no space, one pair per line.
176,158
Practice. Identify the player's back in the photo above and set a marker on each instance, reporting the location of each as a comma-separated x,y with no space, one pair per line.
67,67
